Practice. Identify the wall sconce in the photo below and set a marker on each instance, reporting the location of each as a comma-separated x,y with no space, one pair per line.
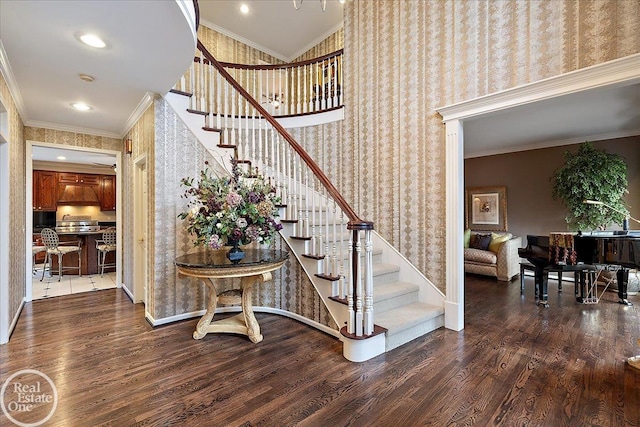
128,146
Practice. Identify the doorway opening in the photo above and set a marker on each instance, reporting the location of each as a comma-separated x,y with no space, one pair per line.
63,163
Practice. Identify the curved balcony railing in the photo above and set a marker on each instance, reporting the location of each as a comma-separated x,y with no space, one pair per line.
297,88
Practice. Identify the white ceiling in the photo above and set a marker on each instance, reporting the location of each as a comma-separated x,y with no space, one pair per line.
274,26
51,154
149,45
595,114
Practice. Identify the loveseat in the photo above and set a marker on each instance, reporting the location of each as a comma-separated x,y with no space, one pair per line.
492,254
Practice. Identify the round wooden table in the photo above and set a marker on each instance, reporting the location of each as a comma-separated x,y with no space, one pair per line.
209,265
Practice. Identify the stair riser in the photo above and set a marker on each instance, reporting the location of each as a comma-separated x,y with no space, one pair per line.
395,302
402,337
385,278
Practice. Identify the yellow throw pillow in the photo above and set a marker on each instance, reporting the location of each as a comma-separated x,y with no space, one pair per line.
497,240
467,237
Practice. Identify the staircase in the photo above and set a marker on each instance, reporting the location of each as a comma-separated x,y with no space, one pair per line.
354,270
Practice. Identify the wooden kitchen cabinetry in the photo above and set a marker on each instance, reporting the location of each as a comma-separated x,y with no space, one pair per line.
108,193
78,178
45,190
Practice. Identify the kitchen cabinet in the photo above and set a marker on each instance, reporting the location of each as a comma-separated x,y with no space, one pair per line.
45,194
108,193
78,178
78,189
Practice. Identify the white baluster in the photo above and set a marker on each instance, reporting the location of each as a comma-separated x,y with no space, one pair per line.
192,85
334,256
306,202
343,279
351,320
314,238
299,92
203,87
368,301
337,85
209,119
359,287
327,227
219,109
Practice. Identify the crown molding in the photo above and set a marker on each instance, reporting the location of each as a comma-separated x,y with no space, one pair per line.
315,42
137,113
9,78
75,129
243,40
622,71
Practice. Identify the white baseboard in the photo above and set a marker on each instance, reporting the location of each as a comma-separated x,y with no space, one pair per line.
126,291
14,322
237,309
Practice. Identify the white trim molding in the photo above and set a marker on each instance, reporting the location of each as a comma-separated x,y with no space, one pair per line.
622,71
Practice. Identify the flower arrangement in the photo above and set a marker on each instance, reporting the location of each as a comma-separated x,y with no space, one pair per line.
230,210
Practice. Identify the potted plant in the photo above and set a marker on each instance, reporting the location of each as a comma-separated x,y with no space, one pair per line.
230,210
592,175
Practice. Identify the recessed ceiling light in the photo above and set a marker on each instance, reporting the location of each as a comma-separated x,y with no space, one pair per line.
81,106
244,8
61,158
92,40
86,77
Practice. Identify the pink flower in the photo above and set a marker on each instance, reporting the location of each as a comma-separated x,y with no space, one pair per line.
233,199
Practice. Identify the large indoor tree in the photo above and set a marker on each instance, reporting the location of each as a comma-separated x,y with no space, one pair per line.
591,174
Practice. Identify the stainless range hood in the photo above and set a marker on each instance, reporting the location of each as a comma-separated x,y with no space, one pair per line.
78,195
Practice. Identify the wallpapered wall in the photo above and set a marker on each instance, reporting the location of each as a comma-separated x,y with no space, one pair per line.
174,294
17,208
142,136
403,59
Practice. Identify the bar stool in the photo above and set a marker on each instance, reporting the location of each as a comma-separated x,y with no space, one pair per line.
104,246
35,250
55,247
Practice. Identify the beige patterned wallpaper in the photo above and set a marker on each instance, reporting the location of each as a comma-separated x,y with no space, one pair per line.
72,139
405,58
226,49
17,202
329,45
142,136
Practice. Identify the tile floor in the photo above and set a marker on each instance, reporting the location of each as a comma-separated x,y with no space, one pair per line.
69,284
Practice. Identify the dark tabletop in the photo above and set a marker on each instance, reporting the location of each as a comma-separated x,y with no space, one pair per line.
218,258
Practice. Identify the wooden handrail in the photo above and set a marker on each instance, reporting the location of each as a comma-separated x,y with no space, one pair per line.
283,66
355,222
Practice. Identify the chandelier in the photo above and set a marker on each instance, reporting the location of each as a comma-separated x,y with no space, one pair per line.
323,4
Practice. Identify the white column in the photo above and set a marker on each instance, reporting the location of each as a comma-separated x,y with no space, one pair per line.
454,160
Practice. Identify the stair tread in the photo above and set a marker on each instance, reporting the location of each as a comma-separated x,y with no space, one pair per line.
399,319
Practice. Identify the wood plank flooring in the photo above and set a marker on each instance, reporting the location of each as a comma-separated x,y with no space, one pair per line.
514,364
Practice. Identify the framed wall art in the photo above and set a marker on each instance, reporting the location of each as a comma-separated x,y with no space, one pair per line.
486,208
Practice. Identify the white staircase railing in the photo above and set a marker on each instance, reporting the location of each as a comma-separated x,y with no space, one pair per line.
283,90
321,220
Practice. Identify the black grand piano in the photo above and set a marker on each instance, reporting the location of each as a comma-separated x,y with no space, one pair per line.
610,248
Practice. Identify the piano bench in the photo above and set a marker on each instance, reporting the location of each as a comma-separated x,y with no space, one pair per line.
524,266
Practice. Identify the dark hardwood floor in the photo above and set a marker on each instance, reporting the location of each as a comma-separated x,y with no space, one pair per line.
514,364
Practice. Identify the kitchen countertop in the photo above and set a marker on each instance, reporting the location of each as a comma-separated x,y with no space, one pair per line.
77,233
